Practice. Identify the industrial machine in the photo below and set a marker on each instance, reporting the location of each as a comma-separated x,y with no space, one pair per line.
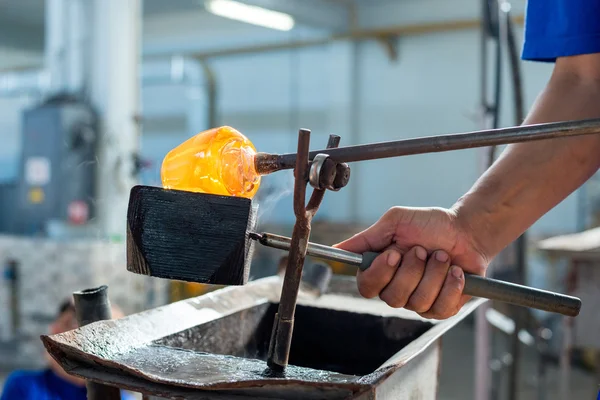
57,171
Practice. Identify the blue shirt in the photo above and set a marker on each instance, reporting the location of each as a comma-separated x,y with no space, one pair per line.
43,385
561,28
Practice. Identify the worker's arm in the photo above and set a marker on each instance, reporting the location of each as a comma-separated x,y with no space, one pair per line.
427,249
529,179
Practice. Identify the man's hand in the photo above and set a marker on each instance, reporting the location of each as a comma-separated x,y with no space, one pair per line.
425,251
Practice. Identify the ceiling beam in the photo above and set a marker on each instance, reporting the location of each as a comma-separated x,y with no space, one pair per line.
364,34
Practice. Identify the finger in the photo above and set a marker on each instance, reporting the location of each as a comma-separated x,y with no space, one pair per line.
431,284
406,279
375,238
449,300
464,299
372,281
478,270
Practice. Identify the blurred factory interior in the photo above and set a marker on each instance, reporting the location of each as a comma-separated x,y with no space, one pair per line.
94,93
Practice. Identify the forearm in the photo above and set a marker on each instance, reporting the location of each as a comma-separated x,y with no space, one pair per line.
529,179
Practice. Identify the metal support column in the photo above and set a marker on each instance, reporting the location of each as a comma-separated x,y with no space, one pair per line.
489,119
66,45
55,44
115,65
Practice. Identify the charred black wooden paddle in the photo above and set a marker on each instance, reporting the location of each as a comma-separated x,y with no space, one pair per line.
194,237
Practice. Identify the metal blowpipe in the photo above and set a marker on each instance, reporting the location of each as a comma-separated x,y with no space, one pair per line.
266,163
475,285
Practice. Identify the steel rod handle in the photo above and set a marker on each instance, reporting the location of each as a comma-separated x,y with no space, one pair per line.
475,285
508,292
519,295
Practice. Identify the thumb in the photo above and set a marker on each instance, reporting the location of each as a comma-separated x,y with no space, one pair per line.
375,238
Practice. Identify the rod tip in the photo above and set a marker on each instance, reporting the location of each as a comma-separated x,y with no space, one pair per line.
255,236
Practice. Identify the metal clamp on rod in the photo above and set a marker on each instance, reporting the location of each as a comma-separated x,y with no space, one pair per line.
324,173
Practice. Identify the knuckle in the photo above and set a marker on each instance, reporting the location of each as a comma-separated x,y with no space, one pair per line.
367,291
427,315
479,270
393,298
454,291
451,312
442,313
413,270
419,302
393,210
446,307
390,213
394,213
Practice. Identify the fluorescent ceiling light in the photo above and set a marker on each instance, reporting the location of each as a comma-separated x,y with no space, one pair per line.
250,14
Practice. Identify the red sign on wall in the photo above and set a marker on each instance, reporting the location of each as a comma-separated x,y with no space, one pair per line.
78,212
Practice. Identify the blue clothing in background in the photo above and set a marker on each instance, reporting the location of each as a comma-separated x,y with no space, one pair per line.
560,28
43,385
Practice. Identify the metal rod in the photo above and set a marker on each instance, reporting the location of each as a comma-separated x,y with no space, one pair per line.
14,276
483,334
507,40
267,163
92,305
283,326
314,249
475,285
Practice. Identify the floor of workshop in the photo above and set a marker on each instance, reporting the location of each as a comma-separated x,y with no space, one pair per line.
457,372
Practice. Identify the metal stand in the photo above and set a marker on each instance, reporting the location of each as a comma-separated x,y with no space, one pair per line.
498,24
519,315
92,305
323,174
485,376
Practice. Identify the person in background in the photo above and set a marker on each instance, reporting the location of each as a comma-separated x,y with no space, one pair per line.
52,383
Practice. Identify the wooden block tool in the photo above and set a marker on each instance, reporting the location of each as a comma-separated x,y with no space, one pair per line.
186,236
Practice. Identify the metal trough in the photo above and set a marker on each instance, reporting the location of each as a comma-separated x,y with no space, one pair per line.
215,346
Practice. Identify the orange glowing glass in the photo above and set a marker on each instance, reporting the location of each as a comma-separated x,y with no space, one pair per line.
217,161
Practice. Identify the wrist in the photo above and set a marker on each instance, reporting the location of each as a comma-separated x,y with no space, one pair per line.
475,224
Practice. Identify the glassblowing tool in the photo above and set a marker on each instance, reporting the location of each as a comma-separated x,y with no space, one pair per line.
197,228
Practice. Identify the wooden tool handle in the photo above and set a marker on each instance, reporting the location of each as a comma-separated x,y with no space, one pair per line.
507,292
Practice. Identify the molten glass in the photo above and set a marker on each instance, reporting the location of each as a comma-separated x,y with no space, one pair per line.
217,161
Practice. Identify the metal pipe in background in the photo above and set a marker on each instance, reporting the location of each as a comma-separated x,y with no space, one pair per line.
211,86
13,275
507,39
92,305
484,377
